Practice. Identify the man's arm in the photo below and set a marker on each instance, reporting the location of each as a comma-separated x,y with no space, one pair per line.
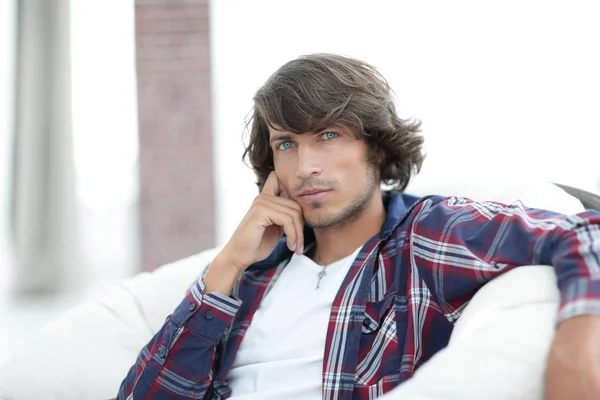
178,362
457,245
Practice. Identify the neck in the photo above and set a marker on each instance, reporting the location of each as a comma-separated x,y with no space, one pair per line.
355,232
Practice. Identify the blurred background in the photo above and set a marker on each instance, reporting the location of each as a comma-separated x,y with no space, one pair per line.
121,121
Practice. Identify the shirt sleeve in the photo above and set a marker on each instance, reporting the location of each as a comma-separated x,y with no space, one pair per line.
457,245
178,362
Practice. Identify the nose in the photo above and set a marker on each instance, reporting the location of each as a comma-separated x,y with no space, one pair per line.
308,162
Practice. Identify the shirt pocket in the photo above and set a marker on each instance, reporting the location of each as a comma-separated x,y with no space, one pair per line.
379,360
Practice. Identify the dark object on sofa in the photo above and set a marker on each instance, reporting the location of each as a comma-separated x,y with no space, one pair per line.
590,201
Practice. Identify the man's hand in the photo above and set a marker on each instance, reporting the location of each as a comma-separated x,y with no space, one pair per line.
271,215
573,370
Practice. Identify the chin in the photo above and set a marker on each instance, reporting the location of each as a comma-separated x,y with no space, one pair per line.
318,220
314,221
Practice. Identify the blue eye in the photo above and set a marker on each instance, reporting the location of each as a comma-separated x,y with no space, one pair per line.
329,135
285,145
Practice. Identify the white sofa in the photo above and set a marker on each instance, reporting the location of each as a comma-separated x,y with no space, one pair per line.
497,350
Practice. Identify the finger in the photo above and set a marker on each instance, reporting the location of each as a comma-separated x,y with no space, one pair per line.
296,209
295,242
285,202
286,221
271,186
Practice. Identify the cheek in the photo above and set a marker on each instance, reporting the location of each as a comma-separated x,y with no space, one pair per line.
280,165
283,169
351,161
355,169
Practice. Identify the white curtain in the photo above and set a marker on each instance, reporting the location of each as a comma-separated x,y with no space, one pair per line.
7,64
44,210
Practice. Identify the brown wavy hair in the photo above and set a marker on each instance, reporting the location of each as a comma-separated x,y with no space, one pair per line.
320,91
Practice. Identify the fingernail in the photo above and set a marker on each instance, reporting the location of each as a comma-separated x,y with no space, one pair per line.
301,250
293,247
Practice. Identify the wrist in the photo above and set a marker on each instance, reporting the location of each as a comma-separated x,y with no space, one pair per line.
577,335
587,324
222,275
226,259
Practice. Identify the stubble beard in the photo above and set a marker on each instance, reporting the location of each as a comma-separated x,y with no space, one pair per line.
352,211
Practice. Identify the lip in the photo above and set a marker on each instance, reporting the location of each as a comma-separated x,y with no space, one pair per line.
314,194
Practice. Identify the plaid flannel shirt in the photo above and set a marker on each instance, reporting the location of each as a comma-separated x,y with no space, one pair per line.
397,305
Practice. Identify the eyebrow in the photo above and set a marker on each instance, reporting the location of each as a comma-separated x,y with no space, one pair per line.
283,136
288,136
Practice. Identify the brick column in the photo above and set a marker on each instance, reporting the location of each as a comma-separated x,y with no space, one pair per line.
176,170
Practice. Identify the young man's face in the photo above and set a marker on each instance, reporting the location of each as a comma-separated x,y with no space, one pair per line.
327,173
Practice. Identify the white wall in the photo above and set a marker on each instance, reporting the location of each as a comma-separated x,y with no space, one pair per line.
104,101
503,89
105,137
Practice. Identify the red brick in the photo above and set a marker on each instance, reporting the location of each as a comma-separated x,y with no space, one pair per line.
176,174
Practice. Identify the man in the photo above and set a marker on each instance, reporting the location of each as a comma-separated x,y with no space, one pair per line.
330,288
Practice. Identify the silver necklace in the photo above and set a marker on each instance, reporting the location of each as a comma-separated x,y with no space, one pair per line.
321,273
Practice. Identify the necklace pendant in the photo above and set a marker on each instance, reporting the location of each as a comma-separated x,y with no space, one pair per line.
320,276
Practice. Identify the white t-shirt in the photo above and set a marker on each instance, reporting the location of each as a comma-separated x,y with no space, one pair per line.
281,355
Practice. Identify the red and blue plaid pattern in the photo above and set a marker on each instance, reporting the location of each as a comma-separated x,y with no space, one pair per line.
397,305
